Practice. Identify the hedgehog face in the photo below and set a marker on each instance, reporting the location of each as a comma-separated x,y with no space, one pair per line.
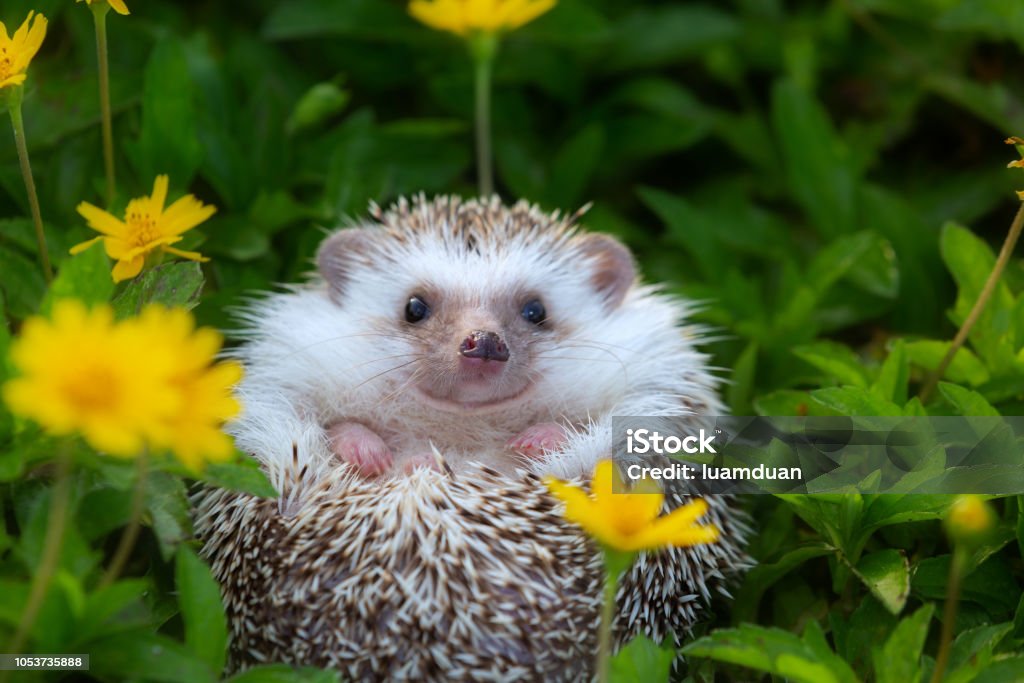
476,345
482,318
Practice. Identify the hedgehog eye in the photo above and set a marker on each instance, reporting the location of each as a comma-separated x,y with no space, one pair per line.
416,310
534,312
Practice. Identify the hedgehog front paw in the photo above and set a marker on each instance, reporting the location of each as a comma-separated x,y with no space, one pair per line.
539,439
360,447
425,460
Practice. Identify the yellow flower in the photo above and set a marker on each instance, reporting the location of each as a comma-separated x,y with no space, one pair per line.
18,50
463,17
118,5
194,432
145,381
146,226
969,518
82,372
629,522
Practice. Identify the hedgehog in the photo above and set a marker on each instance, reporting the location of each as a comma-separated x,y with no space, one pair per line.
406,403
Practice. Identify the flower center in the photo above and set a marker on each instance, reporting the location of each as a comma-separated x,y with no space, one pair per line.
5,64
92,390
141,227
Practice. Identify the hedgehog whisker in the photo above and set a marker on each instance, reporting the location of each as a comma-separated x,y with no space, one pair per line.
341,337
385,372
413,378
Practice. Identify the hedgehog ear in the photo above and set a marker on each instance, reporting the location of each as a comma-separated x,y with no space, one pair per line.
339,254
613,270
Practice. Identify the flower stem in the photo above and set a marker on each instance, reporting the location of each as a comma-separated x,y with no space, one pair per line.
483,46
604,643
979,306
30,186
956,567
99,14
131,532
616,563
55,526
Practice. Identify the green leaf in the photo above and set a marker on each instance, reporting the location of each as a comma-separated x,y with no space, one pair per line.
899,660
168,142
854,401
109,609
146,656
764,575
85,277
773,651
877,271
965,366
784,402
243,475
283,673
23,284
653,36
970,261
742,385
992,585
689,227
352,18
1018,619
318,104
206,626
13,596
1003,671
886,510
172,284
891,383
967,402
574,165
817,162
886,573
642,660
972,650
168,504
837,360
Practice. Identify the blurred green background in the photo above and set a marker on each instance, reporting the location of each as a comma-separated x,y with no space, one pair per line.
828,178
791,164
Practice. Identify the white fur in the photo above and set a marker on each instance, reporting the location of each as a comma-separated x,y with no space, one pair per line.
311,361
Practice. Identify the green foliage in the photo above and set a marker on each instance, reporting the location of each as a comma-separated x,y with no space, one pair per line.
826,178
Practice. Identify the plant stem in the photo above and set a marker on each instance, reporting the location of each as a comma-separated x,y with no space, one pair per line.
99,14
956,567
979,306
616,563
483,46
131,532
55,525
604,643
30,185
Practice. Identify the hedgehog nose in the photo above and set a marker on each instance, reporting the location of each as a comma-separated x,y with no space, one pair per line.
485,346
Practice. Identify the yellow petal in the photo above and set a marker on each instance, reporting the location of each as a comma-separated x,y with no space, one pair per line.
126,270
119,6
190,255
101,221
16,79
79,248
184,214
579,507
527,13
159,196
19,36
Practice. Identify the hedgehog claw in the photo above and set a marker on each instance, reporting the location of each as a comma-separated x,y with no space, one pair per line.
539,439
361,447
